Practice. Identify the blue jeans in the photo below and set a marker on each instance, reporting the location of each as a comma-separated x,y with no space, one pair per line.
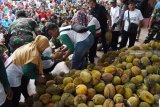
81,49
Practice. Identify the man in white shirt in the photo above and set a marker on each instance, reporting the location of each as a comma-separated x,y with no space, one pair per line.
132,19
115,12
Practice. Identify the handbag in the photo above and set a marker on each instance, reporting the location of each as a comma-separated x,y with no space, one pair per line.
132,28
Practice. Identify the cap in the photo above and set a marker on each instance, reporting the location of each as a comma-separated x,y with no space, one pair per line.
157,6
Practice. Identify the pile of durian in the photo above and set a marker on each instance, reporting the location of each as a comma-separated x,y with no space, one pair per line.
131,80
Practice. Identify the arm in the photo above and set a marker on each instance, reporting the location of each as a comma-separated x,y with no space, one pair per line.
70,46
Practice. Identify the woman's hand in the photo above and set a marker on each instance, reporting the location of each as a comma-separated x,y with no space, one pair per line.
41,79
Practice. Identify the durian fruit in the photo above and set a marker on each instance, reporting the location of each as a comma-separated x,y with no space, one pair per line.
148,54
81,89
149,69
144,104
82,105
49,105
145,61
109,91
96,76
129,65
37,104
120,105
137,79
129,59
58,79
108,103
67,80
155,89
135,70
90,93
67,99
155,58
90,104
58,104
110,69
118,98
98,106
80,99
55,98
53,89
70,88
143,87
50,82
124,78
119,72
128,93
58,55
85,76
155,105
155,78
136,62
128,72
41,89
99,87
119,89
144,73
77,81
116,80
147,97
133,102
107,77
156,97
45,98
98,99
130,85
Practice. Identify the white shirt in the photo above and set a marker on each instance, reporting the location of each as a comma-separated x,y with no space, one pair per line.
47,63
115,16
73,35
2,95
14,73
95,22
135,17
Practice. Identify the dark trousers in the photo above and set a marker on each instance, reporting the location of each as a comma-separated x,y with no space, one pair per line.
6,104
16,96
115,36
93,50
104,43
128,35
24,84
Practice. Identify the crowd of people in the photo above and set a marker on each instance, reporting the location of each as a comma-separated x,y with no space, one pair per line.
31,31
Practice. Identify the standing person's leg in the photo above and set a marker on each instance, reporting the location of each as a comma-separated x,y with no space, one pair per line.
24,84
104,43
80,51
151,34
93,50
16,96
124,39
132,38
115,36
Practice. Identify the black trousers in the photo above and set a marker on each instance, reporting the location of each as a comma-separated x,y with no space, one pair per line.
104,43
16,96
24,83
93,50
6,104
128,35
115,36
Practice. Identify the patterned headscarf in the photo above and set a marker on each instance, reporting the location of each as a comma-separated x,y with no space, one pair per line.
81,18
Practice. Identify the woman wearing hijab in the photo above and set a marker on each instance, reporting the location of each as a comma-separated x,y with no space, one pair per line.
26,61
94,27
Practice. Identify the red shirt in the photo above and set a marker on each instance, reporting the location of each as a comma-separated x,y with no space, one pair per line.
43,16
